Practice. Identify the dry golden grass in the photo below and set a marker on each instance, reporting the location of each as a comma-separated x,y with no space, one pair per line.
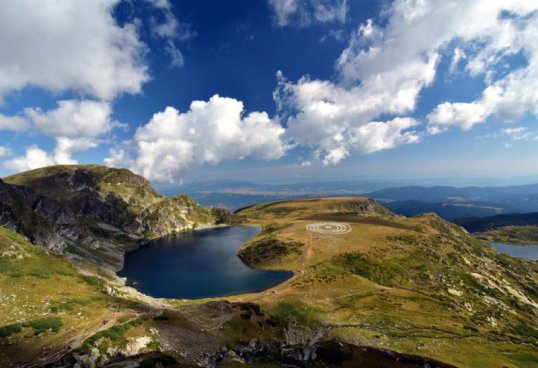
400,311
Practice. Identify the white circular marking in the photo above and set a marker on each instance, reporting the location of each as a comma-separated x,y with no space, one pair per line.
329,228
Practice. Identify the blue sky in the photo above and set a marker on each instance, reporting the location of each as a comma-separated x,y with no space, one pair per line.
273,90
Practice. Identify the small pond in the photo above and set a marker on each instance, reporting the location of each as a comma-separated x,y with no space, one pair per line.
199,264
518,251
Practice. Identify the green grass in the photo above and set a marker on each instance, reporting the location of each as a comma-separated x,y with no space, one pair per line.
39,326
70,305
285,313
10,330
522,235
116,334
274,227
268,250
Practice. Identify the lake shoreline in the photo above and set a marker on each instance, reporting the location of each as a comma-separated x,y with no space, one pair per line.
528,252
198,264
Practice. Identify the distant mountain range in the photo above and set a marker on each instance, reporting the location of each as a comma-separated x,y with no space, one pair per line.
448,202
452,202
481,224
238,194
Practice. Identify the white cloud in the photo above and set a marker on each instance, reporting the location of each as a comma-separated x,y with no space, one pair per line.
170,30
519,134
506,28
210,132
176,56
66,147
69,45
377,135
5,151
73,118
458,55
335,155
13,123
76,126
35,157
463,115
331,118
305,12
384,69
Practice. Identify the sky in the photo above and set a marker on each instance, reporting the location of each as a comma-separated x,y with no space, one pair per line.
273,90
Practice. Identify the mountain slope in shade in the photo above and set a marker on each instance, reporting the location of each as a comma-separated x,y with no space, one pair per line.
479,224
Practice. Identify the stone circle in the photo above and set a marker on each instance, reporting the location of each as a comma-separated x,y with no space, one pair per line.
329,228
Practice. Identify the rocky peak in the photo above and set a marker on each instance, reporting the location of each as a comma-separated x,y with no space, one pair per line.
93,213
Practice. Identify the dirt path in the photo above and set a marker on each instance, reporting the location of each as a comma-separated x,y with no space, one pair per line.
307,253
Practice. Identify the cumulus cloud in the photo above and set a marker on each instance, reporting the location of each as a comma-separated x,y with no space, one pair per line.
69,45
506,28
463,115
209,132
73,118
35,157
377,135
383,70
13,123
66,147
305,12
77,126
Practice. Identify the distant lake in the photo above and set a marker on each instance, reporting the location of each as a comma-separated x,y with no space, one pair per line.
198,264
519,251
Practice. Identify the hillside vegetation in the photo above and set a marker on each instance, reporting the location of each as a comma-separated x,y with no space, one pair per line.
45,303
390,291
416,285
521,235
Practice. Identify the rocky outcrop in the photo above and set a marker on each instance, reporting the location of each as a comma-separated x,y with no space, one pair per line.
174,214
93,213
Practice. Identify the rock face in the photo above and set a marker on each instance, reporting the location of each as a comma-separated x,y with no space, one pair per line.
93,213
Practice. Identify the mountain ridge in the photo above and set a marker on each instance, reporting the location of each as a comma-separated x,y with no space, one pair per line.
418,285
93,213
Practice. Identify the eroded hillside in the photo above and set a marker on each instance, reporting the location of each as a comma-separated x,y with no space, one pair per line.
93,213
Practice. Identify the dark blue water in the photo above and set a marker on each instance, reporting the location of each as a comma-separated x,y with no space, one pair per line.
198,264
519,251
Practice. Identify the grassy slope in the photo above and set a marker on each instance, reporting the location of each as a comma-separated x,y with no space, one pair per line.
385,284
522,235
418,285
46,304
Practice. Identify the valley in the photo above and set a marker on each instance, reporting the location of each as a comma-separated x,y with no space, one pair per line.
383,288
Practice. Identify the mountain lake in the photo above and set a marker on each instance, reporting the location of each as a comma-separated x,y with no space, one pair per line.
518,251
198,264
